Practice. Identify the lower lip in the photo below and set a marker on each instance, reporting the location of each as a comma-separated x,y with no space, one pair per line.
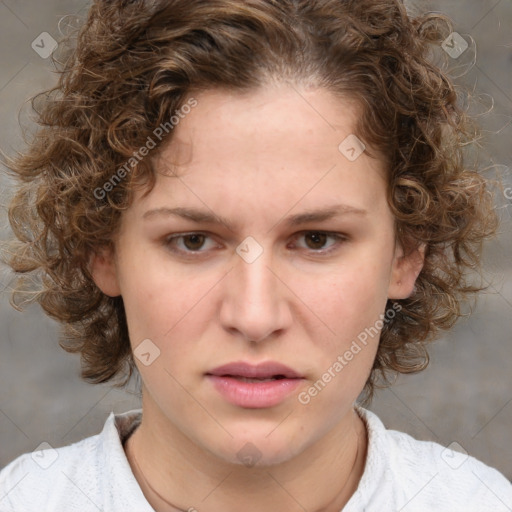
254,395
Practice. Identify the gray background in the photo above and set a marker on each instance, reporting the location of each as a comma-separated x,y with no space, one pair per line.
464,396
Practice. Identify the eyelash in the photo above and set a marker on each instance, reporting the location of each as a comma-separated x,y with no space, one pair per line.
189,253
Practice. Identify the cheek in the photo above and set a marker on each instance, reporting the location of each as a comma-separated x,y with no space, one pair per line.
171,313
351,306
352,298
156,307
169,307
350,302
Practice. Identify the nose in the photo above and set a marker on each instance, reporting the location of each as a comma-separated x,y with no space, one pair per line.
255,301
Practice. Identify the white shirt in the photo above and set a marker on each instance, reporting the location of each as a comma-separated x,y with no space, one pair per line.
401,474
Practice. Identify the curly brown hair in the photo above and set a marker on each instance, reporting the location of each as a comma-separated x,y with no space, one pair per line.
134,62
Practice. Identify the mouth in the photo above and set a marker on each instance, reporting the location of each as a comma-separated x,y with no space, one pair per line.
254,386
247,372
248,379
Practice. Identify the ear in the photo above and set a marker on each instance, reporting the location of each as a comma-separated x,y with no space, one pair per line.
406,268
102,267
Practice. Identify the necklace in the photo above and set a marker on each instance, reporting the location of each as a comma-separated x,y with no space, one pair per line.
177,509
359,449
132,453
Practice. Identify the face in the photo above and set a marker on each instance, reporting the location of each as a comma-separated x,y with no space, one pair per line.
247,278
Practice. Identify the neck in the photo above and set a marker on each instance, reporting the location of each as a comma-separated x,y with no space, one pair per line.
175,476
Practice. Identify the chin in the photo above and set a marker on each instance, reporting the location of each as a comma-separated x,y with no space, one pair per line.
258,450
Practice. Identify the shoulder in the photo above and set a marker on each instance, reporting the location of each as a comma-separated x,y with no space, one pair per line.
74,477
33,481
447,475
424,475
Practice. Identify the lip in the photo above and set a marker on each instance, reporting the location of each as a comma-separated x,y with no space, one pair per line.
255,371
228,381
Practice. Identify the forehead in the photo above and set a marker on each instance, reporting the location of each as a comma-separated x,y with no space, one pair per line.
270,148
266,121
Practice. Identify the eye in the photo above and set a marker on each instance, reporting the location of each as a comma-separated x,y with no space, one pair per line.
316,240
190,242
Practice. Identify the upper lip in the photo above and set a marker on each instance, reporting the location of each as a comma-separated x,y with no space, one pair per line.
255,371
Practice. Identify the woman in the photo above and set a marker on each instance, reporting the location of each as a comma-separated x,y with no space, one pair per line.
260,207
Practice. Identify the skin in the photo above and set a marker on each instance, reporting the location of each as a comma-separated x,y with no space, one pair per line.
255,159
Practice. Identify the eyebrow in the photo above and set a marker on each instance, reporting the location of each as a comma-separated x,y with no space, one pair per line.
205,216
